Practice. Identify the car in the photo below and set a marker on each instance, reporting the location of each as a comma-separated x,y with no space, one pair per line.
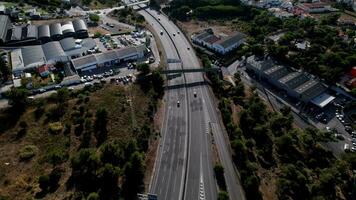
88,84
41,90
195,94
177,32
178,103
159,19
188,48
70,88
161,32
353,149
328,129
174,34
57,87
346,147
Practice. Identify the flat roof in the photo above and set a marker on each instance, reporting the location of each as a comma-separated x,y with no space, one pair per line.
313,91
289,77
202,35
84,61
17,60
71,48
260,65
297,81
306,86
273,69
92,59
323,100
231,40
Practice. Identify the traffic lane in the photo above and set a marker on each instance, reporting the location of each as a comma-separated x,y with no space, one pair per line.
210,181
196,131
172,149
168,48
232,179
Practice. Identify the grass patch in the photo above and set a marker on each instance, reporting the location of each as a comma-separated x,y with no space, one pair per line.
28,152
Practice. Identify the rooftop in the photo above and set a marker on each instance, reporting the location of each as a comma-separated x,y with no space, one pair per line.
4,26
260,64
231,40
202,35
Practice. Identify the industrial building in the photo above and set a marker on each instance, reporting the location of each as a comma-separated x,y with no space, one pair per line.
31,57
222,45
5,24
32,35
299,85
108,58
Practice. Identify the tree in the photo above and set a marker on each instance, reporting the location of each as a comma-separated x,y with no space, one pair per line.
94,17
155,5
4,70
86,2
157,83
353,92
100,130
108,176
133,176
62,95
17,98
85,164
93,196
223,195
43,182
144,68
219,174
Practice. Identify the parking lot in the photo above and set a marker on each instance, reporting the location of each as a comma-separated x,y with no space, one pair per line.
107,42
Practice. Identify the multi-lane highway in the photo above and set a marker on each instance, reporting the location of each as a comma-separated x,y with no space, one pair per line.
184,166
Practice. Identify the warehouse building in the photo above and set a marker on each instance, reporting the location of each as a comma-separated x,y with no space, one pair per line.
31,57
68,29
299,85
56,31
31,35
44,33
109,58
81,29
5,25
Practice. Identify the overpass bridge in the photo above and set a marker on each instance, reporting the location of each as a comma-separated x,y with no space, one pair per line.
179,71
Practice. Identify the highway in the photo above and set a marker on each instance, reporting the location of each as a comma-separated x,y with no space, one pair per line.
203,127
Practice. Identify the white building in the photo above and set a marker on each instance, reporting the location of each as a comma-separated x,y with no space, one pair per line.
220,45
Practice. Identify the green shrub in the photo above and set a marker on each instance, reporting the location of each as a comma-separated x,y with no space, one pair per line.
55,127
28,152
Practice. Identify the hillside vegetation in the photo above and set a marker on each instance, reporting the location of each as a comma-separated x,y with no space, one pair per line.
87,144
277,160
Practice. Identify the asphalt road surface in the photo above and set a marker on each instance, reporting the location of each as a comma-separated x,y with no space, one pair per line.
202,119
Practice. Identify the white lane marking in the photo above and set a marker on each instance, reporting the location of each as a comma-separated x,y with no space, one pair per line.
201,183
